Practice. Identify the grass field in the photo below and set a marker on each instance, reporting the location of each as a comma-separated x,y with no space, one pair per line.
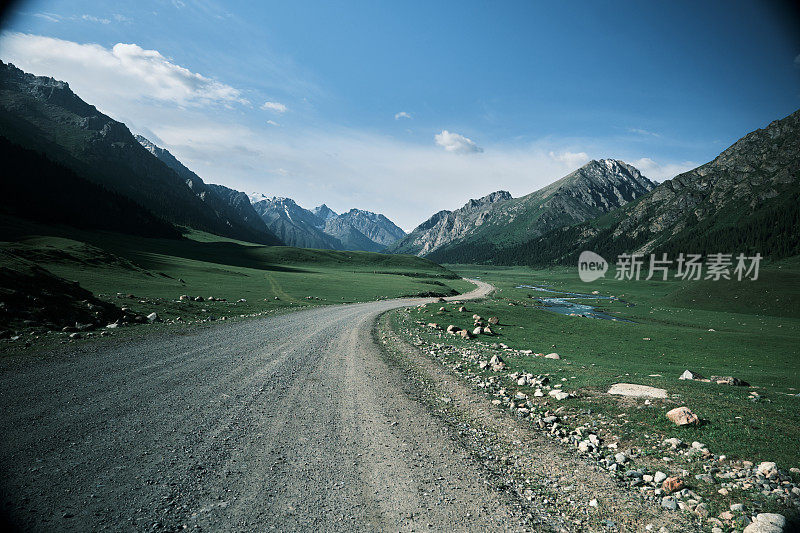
756,327
158,271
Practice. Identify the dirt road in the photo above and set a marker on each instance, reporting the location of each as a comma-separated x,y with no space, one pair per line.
292,422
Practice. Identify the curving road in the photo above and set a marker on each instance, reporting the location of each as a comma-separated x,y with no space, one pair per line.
291,422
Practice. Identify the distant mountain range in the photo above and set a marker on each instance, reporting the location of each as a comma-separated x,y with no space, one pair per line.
497,221
87,170
745,200
322,228
93,160
44,115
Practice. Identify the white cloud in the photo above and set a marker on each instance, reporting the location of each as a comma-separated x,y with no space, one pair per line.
640,131
51,17
401,114
571,159
117,75
274,106
661,172
454,142
272,123
92,18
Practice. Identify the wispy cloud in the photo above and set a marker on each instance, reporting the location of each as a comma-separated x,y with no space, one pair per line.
457,143
92,18
640,131
274,106
571,159
52,17
128,70
661,172
401,114
272,123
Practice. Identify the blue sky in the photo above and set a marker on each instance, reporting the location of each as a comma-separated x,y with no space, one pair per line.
410,107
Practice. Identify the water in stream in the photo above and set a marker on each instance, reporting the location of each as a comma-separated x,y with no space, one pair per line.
564,303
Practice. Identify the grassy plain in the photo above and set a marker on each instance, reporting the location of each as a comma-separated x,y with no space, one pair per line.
156,272
747,329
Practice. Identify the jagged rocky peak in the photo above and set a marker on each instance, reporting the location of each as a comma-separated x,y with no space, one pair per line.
493,198
50,90
148,144
324,212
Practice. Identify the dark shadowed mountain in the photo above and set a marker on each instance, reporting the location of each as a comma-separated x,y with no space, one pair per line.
35,188
229,204
44,115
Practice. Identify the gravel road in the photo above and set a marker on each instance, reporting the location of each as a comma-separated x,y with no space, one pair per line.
292,422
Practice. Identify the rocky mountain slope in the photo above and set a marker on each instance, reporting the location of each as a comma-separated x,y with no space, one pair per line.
294,225
229,204
322,228
499,221
44,115
746,200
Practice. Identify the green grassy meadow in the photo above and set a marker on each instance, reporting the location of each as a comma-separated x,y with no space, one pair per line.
156,272
756,328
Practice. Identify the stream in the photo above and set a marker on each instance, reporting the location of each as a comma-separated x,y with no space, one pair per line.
564,303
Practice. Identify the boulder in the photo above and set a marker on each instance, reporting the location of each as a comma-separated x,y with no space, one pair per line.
184,297
465,334
636,391
497,363
688,374
558,394
452,329
494,320
767,523
462,309
672,484
488,331
477,331
683,416
768,469
552,356
443,309
152,317
434,325
729,380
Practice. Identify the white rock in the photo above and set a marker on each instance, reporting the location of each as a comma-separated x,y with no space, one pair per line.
620,458
688,374
768,469
152,317
767,523
593,503
559,394
552,356
659,477
636,391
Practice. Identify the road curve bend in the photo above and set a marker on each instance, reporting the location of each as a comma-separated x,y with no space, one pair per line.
291,422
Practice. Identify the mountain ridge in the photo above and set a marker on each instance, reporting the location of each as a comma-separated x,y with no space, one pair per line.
43,114
500,220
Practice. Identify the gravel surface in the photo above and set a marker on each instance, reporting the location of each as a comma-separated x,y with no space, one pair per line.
292,422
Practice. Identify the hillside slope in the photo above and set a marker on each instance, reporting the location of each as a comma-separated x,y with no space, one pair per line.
480,228
746,200
43,114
